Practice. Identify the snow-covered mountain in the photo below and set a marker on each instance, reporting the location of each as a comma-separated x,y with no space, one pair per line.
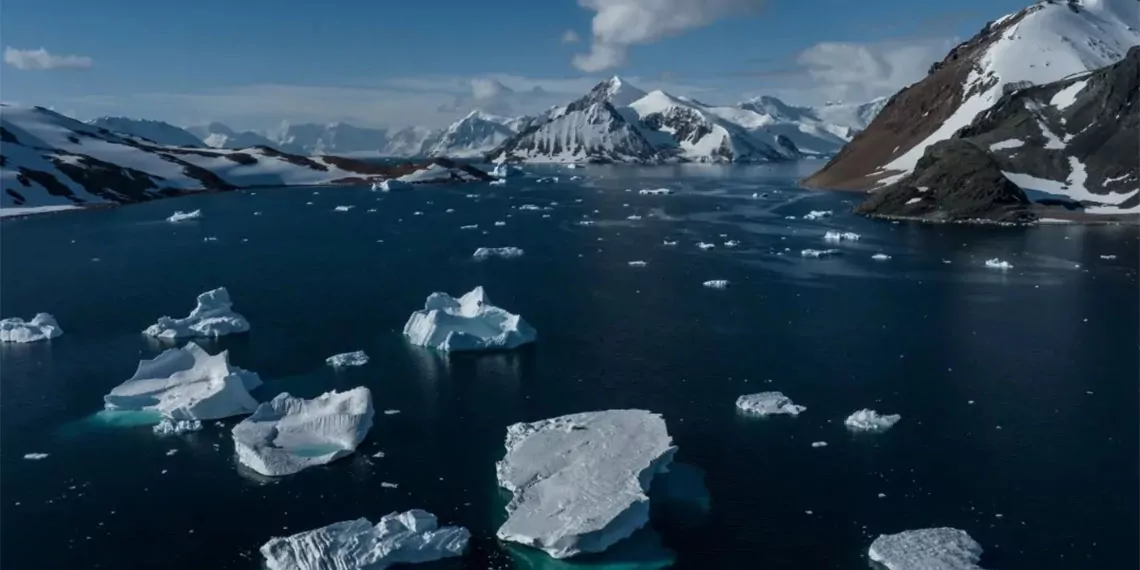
335,138
411,141
153,131
217,135
474,135
1043,43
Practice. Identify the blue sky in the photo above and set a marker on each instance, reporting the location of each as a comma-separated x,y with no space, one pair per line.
253,63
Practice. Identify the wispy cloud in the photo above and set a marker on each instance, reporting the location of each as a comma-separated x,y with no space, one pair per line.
620,24
41,59
570,37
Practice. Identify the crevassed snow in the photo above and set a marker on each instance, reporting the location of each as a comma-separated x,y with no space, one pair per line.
213,317
503,252
870,420
469,323
180,216
410,537
356,358
176,427
43,326
818,252
996,263
927,549
1007,144
841,236
767,404
1065,98
288,434
579,482
716,283
187,384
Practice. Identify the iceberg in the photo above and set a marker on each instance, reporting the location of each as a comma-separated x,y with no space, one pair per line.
996,263
768,404
176,427
504,170
180,216
42,327
357,358
212,317
391,185
399,538
870,420
927,549
187,384
342,208
841,236
288,434
503,252
817,214
637,263
466,324
818,252
655,192
716,283
579,482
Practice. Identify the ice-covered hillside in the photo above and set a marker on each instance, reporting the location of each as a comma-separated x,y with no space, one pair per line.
473,135
150,131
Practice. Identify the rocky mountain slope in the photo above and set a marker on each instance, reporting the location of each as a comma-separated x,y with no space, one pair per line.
1043,43
156,132
1077,138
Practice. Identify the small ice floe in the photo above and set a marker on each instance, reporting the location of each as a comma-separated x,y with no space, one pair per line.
731,243
634,217
288,434
180,216
213,317
469,227
996,263
449,211
503,252
571,166
637,264
841,236
575,178
504,170
579,483
399,538
716,283
880,257
500,223
585,222
768,404
391,412
529,208
790,218
176,427
187,383
391,185
387,485
706,245
870,420
498,182
343,208
35,456
356,358
43,326
946,262
667,242
171,452
655,192
818,252
378,455
257,213
819,444
417,213
469,323
929,548
209,238
817,214
1108,257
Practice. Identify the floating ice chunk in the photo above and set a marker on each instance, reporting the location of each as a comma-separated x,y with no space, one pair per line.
498,182
633,217
668,242
571,166
466,324
927,549
706,245
42,327
342,208
470,227
819,444
880,257
790,218
818,252
356,358
530,208
579,482
35,456
180,216
996,263
187,384
870,420
500,223
768,404
817,214
504,170
391,185
391,412
176,427
212,317
716,283
1108,257
731,243
387,485
841,236
585,222
399,538
503,252
288,434
637,264
655,192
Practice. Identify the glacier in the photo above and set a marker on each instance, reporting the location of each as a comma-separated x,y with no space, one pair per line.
870,420
940,548
187,384
467,324
767,404
213,317
43,326
579,482
288,434
399,538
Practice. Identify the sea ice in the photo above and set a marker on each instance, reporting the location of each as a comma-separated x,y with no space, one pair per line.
841,236
176,427
927,549
503,252
42,327
880,257
465,324
399,538
579,482
768,404
180,216
817,214
996,263
818,252
288,434
716,283
212,317
187,384
870,420
356,358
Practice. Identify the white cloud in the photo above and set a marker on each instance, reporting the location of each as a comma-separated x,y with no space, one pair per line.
570,37
42,59
620,24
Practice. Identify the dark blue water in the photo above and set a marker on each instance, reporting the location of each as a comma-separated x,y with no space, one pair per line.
1041,468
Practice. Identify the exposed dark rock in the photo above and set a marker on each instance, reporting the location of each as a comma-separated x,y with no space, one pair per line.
241,158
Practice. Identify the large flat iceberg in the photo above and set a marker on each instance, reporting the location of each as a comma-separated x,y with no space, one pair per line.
214,317
187,384
927,549
41,327
768,404
288,434
399,538
468,323
579,482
